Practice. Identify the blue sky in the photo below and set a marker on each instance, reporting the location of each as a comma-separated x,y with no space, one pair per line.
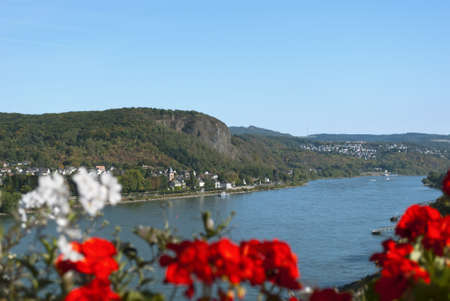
300,67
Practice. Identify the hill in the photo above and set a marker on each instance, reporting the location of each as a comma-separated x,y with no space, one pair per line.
416,138
133,137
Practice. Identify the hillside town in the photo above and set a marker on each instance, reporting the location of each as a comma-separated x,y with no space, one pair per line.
369,151
176,179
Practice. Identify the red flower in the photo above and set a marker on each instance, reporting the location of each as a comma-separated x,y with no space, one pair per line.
437,236
98,260
392,251
329,295
252,261
269,260
98,248
415,220
191,258
96,290
398,271
446,184
224,256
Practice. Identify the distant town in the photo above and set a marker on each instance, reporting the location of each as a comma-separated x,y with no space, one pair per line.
369,151
176,179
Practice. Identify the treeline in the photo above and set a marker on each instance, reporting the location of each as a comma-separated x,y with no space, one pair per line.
434,179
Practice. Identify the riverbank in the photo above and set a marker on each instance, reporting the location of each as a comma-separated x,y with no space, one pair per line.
146,197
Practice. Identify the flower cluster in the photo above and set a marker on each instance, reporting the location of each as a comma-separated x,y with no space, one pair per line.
51,197
52,193
95,258
420,228
94,194
252,261
426,222
398,271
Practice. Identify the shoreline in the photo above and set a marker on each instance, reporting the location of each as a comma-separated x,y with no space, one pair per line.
188,195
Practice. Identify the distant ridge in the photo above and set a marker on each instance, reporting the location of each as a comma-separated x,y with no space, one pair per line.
186,140
416,138
253,130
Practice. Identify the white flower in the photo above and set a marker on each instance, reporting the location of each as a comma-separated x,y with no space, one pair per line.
93,193
53,193
32,199
67,251
113,187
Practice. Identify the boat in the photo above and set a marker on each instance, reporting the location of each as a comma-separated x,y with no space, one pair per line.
223,194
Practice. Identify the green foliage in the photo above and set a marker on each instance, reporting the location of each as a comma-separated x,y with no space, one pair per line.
434,179
9,201
132,181
22,183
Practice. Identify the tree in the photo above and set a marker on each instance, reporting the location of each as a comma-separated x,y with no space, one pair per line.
132,181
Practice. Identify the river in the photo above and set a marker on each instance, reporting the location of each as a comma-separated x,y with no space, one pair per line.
327,223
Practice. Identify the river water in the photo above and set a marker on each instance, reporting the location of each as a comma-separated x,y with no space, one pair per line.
327,223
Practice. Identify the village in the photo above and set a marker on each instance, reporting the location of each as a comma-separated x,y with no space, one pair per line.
176,179
369,151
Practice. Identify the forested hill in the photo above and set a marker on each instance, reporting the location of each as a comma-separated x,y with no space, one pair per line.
417,138
135,137
132,136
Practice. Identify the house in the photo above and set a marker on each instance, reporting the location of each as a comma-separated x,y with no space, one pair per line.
217,185
201,184
177,183
44,171
100,169
228,185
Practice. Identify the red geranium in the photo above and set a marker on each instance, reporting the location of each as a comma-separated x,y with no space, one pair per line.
98,261
446,184
191,258
98,258
398,271
252,261
414,221
224,256
437,236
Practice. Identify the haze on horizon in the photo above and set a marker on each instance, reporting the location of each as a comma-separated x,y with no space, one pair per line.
296,67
